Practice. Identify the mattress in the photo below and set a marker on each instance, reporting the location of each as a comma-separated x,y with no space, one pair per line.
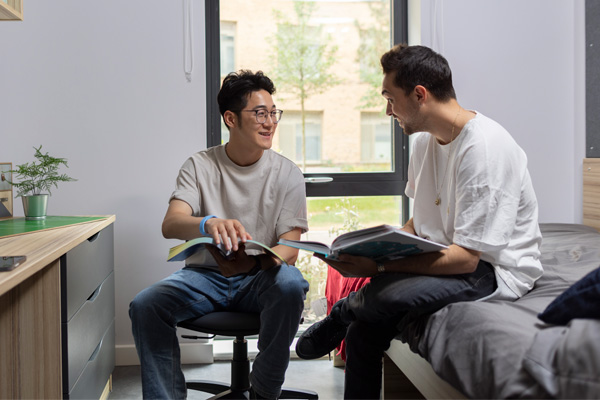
500,349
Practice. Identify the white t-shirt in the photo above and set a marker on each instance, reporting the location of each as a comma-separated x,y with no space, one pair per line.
267,197
487,201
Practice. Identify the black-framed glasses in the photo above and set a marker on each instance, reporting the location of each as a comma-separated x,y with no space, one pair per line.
261,115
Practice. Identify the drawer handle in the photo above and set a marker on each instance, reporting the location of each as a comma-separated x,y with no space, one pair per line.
95,294
96,351
94,237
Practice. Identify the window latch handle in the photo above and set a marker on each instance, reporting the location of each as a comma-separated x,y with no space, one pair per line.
318,179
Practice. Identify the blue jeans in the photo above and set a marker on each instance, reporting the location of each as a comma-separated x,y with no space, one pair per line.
277,294
380,310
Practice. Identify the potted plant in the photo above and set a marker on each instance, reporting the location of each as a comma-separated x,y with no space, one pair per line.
35,179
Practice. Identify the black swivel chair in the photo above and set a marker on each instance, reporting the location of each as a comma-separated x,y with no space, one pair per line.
239,325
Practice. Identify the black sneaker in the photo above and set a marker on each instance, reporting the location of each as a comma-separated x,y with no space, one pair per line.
321,338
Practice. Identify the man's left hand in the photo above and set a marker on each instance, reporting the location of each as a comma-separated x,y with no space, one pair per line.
351,266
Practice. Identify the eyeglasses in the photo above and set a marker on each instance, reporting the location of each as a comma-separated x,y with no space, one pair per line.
261,115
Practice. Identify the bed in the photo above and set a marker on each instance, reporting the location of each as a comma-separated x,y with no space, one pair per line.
500,349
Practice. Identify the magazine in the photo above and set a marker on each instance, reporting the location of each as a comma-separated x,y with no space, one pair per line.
186,249
380,243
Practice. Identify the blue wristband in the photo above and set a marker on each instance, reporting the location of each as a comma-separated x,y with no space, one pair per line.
203,222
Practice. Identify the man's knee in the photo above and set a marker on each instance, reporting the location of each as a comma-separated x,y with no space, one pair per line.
144,303
287,288
291,282
137,305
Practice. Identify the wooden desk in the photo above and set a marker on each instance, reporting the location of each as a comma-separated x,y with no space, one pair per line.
30,314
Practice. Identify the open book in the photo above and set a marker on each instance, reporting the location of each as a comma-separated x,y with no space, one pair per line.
186,249
380,243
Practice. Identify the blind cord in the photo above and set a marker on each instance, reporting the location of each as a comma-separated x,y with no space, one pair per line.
188,52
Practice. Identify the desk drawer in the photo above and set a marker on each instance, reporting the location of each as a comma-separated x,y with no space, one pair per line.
81,335
83,269
97,370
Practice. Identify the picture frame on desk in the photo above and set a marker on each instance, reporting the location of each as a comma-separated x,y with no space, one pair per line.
11,10
6,192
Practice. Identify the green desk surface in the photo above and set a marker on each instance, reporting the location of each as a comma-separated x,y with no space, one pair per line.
19,226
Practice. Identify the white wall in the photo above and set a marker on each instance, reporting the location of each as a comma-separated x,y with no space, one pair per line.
522,63
102,84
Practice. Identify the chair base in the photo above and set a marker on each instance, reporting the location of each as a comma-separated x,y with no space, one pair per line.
223,391
219,389
291,393
239,325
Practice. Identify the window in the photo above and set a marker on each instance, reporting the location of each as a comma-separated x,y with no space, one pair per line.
227,46
290,137
338,45
375,143
323,57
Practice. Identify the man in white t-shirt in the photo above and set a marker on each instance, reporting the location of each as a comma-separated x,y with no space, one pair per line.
241,190
471,191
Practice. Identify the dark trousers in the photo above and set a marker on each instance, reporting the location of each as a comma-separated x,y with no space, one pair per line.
380,310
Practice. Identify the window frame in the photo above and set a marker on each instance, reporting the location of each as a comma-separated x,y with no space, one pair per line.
342,184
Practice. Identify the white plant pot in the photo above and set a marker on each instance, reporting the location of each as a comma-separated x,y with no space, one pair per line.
35,207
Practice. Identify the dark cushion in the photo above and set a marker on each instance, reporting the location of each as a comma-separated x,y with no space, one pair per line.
581,300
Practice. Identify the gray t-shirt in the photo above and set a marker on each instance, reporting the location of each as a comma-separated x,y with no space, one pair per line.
267,197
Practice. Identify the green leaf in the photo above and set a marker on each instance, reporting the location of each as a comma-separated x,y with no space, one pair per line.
38,177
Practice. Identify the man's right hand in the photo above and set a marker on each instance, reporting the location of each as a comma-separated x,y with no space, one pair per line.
180,224
227,231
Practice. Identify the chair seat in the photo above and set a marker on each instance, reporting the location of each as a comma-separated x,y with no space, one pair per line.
225,323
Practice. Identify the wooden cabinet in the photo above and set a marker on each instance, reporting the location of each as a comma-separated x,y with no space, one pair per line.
88,316
57,313
11,10
30,337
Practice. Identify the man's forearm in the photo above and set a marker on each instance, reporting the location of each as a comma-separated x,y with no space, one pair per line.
179,226
289,254
452,261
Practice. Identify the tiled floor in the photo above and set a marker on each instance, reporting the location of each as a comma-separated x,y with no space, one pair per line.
318,375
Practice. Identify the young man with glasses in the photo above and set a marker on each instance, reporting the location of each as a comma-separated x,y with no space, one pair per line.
472,191
233,192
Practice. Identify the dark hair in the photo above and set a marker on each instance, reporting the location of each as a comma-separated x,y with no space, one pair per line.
419,65
237,87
